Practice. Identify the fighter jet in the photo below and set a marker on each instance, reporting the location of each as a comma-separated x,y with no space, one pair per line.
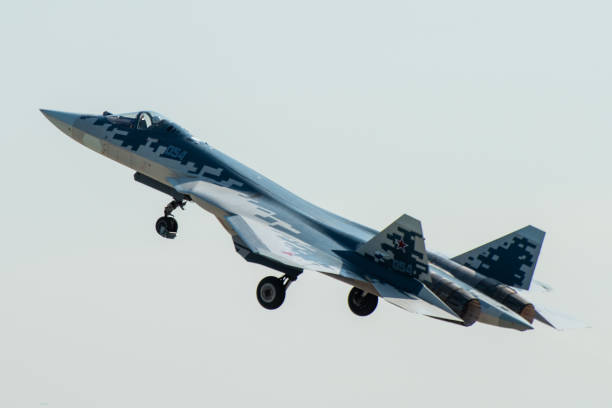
273,227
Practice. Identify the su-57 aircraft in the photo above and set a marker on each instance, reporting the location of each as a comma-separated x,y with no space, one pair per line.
275,228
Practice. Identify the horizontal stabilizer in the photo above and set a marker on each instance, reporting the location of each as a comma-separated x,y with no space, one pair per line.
422,301
546,310
541,286
510,259
558,320
400,247
549,315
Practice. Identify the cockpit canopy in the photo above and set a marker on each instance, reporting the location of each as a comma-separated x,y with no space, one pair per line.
139,120
149,120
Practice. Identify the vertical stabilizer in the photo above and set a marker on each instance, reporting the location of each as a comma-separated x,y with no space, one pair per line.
401,247
510,259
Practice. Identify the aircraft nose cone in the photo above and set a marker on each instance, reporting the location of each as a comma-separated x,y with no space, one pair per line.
64,121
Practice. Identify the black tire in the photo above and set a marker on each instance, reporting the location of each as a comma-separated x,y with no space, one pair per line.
172,225
166,227
361,303
271,292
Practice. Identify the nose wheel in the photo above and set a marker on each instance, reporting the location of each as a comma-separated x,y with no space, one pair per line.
167,226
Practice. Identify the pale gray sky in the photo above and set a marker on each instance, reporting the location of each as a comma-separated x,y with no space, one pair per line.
476,117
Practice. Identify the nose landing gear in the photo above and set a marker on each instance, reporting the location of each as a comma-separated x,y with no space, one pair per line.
167,226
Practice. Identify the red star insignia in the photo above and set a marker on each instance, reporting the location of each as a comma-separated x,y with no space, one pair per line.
401,244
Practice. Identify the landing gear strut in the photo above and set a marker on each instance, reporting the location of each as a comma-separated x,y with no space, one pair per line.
362,303
167,226
271,291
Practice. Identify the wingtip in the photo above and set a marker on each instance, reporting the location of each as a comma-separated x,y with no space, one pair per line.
559,320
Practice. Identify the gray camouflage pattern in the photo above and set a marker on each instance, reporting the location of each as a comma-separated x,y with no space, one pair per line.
510,259
273,227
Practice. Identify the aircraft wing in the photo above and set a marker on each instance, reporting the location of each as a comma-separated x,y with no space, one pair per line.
274,244
262,228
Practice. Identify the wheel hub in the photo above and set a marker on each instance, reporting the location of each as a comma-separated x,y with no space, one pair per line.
268,292
271,292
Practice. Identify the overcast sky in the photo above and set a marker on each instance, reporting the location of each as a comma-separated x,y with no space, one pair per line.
475,117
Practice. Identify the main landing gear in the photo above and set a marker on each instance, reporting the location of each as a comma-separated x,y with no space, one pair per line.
362,303
271,291
167,226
